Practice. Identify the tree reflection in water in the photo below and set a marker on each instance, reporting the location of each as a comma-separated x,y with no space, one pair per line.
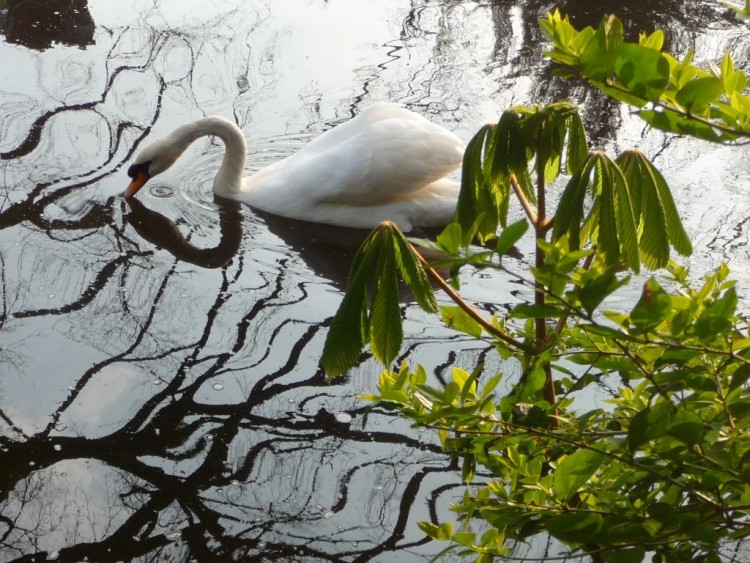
161,394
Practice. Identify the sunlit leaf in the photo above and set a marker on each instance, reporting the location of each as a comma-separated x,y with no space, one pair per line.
599,57
642,70
451,238
457,319
698,94
573,471
510,236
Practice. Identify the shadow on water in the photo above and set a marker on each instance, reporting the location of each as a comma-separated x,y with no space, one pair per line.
160,389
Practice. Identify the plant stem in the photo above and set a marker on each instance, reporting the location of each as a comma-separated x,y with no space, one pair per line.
468,309
539,293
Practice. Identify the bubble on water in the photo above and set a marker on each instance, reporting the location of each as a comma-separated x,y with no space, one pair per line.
328,514
217,386
157,381
219,491
344,417
234,482
162,192
57,447
51,295
261,545
60,426
173,536
54,556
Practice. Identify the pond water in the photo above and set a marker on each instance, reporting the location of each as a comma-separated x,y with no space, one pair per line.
160,395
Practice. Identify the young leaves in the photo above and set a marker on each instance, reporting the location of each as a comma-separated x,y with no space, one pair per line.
673,96
658,222
525,140
612,219
354,324
633,218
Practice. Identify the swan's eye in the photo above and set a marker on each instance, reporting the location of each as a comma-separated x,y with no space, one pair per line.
136,168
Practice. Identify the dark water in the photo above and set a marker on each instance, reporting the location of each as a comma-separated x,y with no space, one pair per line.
160,393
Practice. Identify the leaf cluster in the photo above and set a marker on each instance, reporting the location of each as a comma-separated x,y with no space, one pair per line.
665,469
670,94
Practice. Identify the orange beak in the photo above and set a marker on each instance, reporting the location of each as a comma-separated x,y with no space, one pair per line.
136,184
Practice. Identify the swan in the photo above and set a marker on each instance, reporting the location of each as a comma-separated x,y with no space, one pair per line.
387,163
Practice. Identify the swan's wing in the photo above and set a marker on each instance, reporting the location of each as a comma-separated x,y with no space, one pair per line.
385,152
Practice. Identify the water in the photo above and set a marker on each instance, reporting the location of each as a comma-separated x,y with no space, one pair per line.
161,393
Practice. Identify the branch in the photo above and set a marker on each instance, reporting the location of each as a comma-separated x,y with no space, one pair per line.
468,309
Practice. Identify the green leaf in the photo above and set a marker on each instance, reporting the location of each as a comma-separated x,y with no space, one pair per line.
456,318
673,122
740,376
698,94
642,70
386,332
413,273
578,150
686,427
578,527
510,236
442,532
570,208
472,173
648,424
656,211
573,471
510,154
349,328
627,231
599,57
450,238
654,306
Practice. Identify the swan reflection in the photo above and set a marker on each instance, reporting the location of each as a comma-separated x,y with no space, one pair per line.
164,233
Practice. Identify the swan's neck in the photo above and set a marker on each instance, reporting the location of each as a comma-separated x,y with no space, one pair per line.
228,180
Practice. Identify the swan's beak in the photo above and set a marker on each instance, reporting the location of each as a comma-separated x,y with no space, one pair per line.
136,184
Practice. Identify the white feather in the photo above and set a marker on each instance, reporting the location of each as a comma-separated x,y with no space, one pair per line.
387,163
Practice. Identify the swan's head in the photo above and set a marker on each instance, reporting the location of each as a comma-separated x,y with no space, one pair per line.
152,160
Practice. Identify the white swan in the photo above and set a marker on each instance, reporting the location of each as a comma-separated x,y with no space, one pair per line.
387,163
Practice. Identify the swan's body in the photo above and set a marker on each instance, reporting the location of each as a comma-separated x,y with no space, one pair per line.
387,163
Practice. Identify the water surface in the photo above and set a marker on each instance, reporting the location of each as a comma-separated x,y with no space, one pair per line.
161,396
